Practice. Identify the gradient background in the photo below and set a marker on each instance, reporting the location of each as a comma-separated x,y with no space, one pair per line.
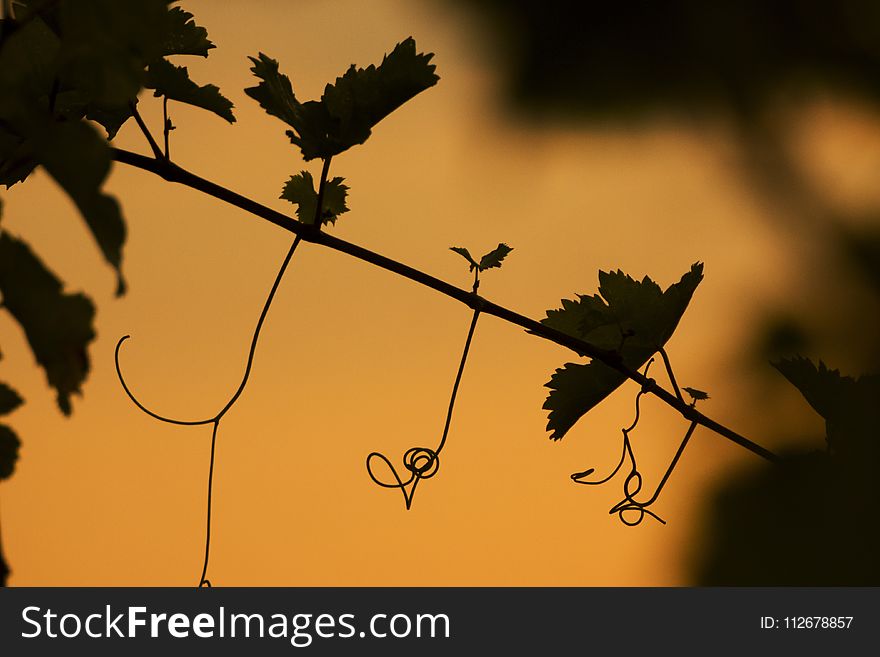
354,359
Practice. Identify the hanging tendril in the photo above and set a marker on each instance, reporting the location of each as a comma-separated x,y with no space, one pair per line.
214,419
632,485
424,462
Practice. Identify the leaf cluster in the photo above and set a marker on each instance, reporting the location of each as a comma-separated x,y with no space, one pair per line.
492,259
350,107
630,317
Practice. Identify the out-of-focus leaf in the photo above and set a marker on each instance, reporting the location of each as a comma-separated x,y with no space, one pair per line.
16,158
110,117
173,81
76,156
300,190
464,253
633,317
106,44
350,107
9,399
824,389
848,405
494,257
58,326
9,445
28,62
184,37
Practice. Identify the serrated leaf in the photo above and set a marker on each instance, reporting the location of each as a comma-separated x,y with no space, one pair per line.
9,399
633,317
184,37
350,107
364,96
300,190
310,121
824,389
494,257
174,83
464,253
58,326
695,394
106,44
9,444
78,159
110,117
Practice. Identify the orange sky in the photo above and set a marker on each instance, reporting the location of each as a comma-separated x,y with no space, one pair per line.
354,359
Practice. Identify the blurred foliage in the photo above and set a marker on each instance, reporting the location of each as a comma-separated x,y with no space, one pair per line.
811,520
626,59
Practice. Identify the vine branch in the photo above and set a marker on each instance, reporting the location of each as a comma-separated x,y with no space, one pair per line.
174,173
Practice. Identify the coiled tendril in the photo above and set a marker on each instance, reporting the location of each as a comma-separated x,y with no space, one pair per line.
632,485
423,462
215,419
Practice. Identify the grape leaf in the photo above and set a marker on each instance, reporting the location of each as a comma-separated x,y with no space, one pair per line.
184,37
364,96
9,445
847,404
350,107
300,190
76,156
464,253
494,257
824,389
635,318
106,44
310,121
58,326
9,399
173,82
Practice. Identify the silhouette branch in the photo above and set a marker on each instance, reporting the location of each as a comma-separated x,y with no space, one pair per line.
174,173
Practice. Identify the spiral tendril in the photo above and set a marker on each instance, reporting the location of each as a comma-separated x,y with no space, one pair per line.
423,462
629,510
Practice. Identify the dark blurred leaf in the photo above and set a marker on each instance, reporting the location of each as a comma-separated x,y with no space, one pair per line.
633,317
110,117
9,445
809,520
76,156
106,44
58,326
494,257
824,389
28,69
300,190
173,81
9,399
464,253
184,36
350,107
848,405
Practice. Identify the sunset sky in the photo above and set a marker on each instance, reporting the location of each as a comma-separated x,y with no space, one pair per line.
354,359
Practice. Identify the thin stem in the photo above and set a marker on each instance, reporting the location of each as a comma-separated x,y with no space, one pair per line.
173,173
464,355
202,580
671,375
319,209
166,126
157,153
